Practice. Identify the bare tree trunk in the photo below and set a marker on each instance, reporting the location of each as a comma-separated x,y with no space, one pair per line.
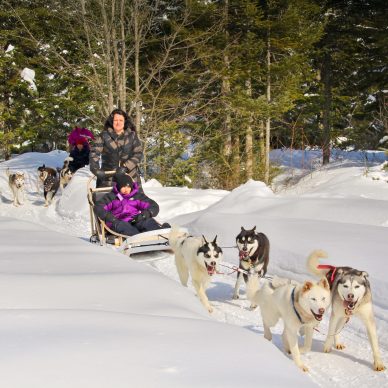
268,120
227,120
326,79
123,79
226,91
108,58
235,163
137,37
262,143
249,137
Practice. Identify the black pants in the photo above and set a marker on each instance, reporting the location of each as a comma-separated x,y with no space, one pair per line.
129,229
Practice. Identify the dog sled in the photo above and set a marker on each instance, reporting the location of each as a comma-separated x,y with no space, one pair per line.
155,240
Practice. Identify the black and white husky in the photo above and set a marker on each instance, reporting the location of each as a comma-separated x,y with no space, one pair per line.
253,251
16,183
65,174
197,257
48,176
351,295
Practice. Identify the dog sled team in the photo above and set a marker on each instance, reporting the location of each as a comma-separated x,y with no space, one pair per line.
51,179
301,306
54,178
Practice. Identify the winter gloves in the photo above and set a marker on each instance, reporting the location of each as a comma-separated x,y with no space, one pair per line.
144,215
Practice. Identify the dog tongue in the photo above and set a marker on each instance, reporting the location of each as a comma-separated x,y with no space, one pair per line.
243,255
210,270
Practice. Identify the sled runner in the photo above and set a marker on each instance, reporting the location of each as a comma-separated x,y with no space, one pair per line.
143,242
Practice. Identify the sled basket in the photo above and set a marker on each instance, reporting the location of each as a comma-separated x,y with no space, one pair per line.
143,242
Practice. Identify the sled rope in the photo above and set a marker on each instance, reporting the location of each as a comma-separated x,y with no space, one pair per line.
233,268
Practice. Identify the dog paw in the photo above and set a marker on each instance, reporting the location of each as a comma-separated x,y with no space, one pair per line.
340,346
210,309
235,296
304,368
252,306
378,366
303,350
327,349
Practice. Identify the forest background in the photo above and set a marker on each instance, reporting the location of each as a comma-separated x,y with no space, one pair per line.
212,86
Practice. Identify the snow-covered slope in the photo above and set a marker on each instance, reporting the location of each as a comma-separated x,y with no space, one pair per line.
70,284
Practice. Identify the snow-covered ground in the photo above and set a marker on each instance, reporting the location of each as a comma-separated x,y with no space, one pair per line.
79,315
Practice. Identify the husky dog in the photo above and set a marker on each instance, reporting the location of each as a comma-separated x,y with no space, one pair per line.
16,183
300,306
197,257
50,181
351,295
253,251
65,174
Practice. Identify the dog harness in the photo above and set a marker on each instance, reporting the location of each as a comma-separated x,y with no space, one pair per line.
330,276
293,305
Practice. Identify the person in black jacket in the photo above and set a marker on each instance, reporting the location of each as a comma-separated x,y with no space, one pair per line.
80,155
119,149
126,210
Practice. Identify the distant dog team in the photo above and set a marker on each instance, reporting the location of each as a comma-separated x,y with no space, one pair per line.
16,182
65,173
48,176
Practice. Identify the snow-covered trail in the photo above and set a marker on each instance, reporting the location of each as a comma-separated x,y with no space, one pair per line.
352,366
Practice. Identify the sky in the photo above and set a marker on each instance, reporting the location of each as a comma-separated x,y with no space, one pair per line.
80,315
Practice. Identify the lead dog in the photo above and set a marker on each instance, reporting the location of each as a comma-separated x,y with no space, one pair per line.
298,305
65,174
48,176
16,183
253,248
351,295
197,257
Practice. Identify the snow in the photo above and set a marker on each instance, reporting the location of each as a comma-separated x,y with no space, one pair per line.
80,315
29,76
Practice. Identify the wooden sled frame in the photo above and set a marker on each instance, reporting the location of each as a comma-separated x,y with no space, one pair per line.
143,242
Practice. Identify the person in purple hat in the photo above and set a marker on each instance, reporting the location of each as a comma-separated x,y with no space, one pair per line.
127,210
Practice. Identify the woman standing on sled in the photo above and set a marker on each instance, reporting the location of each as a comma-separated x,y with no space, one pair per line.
119,148
127,211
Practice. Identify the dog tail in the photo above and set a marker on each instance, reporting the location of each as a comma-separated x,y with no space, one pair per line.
313,261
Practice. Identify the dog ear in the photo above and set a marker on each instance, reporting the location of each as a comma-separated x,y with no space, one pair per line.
307,286
324,283
340,271
204,239
365,274
242,229
254,228
214,241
